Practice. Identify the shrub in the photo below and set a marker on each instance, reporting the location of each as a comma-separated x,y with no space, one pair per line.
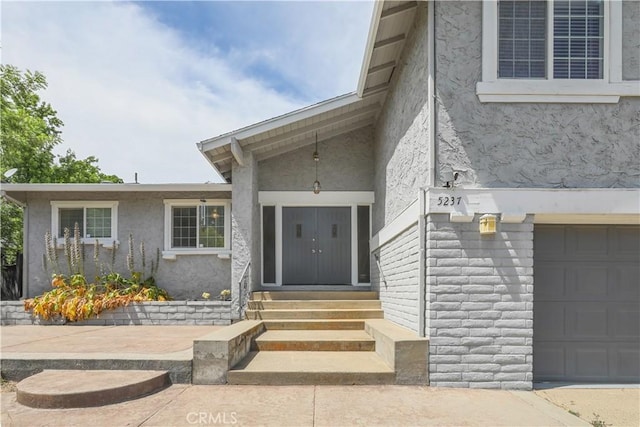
74,298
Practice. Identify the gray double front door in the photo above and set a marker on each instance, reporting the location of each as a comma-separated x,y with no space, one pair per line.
316,245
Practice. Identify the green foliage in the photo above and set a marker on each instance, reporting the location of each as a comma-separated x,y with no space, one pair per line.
29,131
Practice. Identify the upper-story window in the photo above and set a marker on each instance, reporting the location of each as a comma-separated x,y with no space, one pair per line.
95,220
552,51
576,39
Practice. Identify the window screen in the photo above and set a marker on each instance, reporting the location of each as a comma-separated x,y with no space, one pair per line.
521,39
68,218
184,226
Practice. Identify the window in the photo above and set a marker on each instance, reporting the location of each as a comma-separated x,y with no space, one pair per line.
552,51
521,39
96,220
576,37
197,226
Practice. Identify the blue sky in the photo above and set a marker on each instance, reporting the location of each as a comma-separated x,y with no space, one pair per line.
137,84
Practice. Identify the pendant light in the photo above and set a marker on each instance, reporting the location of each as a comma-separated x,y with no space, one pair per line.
316,159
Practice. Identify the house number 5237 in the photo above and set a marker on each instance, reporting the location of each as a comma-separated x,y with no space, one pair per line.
449,201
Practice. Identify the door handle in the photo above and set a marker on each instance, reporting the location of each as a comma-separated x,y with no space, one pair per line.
320,251
313,251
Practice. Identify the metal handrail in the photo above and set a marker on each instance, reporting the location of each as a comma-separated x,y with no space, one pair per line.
382,278
243,291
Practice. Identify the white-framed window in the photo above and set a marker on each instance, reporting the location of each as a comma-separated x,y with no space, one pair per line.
195,226
553,51
97,220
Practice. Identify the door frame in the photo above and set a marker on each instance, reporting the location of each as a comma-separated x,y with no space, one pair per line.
281,199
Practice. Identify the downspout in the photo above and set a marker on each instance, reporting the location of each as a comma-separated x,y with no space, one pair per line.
431,177
431,91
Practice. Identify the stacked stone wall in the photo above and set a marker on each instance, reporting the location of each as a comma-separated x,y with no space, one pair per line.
145,313
480,304
399,260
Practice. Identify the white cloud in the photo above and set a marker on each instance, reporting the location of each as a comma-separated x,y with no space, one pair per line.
134,93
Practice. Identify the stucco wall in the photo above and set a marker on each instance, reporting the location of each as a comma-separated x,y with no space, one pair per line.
401,133
141,215
346,164
631,40
245,232
525,145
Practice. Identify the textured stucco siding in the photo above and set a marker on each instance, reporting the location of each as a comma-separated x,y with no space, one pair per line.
142,216
245,231
480,304
401,133
346,164
529,144
399,260
631,40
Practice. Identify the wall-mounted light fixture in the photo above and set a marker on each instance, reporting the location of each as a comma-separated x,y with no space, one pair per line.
316,160
487,225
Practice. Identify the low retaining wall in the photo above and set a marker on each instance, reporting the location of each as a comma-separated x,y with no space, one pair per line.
144,313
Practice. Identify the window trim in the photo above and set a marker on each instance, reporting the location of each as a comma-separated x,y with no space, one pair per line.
170,252
606,90
78,204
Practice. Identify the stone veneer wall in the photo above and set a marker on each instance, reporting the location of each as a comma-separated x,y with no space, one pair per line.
146,313
399,260
480,304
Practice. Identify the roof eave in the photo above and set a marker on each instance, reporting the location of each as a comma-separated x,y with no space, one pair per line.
109,187
368,51
276,122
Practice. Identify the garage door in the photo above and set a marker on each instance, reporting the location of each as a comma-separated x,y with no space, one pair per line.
586,304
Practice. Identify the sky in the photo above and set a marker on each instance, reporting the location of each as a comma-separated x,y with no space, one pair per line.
138,84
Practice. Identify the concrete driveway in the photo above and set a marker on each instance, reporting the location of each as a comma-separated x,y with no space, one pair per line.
186,405
609,406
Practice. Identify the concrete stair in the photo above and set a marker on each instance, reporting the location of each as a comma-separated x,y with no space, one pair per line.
321,337
56,389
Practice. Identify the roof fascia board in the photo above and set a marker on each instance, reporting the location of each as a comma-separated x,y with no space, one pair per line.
114,187
371,41
280,121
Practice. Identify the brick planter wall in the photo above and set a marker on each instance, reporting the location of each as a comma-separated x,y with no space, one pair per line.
145,313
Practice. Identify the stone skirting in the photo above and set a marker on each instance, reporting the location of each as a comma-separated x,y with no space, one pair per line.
145,313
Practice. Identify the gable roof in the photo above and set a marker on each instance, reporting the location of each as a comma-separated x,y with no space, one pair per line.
390,25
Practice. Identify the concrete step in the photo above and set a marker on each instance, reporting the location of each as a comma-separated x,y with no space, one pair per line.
310,324
313,304
315,314
52,389
313,340
319,368
313,295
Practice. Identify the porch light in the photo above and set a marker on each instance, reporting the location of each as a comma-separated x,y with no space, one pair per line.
316,160
488,225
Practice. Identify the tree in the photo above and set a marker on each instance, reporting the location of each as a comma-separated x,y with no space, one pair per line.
29,131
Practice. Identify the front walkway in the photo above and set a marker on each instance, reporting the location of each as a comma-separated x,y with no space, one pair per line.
299,406
29,349
108,340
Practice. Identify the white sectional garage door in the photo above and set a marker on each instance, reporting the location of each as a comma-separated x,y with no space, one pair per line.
586,303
